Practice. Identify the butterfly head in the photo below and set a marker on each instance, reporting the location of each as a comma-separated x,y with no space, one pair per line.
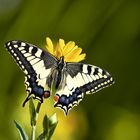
61,59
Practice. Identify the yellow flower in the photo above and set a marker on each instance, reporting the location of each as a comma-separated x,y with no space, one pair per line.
70,51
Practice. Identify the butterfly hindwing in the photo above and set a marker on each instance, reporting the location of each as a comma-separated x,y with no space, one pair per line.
80,79
35,63
71,80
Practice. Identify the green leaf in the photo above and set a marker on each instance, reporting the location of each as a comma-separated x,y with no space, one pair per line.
53,120
49,125
32,112
45,125
41,137
48,135
52,125
45,133
21,131
52,128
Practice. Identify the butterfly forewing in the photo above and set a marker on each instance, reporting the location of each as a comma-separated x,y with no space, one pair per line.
72,80
35,63
81,79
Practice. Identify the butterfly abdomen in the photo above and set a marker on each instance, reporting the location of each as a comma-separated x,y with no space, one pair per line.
59,73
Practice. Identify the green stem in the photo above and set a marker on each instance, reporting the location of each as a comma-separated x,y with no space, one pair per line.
33,132
36,117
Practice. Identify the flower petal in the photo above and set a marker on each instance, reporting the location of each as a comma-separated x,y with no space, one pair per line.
61,43
70,51
73,54
49,46
58,51
81,57
77,58
69,47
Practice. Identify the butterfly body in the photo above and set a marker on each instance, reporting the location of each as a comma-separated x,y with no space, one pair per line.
71,80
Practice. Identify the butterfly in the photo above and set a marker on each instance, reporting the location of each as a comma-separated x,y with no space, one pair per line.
71,80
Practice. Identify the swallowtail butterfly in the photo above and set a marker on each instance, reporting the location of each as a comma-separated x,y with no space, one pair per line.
71,80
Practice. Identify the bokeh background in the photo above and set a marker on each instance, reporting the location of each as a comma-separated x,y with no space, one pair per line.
109,33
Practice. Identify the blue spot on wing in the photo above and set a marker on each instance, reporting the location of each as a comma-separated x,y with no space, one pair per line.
64,100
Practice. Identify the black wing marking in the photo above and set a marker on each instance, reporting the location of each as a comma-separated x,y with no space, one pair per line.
81,79
35,63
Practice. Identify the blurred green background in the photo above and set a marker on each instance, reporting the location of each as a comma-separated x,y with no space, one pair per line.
109,33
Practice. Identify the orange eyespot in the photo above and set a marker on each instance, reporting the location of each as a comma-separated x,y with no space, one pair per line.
46,94
56,98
